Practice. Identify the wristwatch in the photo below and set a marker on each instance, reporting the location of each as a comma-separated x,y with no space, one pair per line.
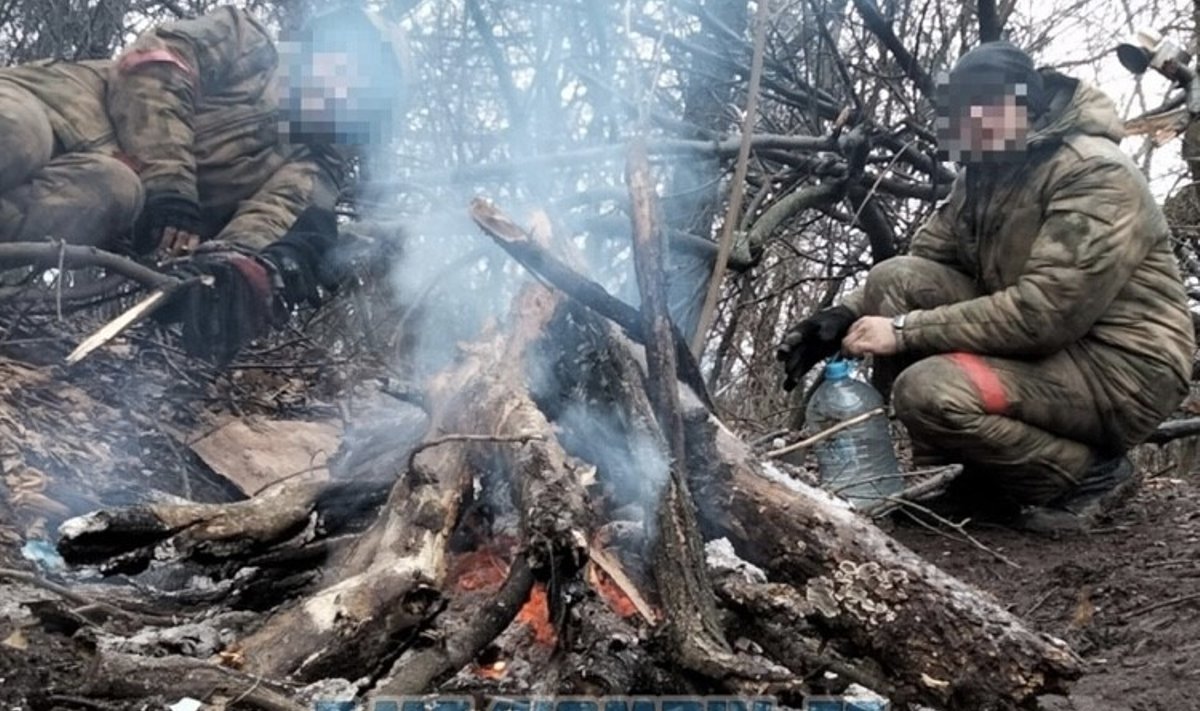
898,327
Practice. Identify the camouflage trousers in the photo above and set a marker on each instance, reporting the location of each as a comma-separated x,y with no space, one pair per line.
79,197
1027,428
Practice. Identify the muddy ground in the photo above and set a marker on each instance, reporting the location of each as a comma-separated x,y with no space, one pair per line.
1126,597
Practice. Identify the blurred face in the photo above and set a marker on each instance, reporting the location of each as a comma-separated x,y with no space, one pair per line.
326,97
983,127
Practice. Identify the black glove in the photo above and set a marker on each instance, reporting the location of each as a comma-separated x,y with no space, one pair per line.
812,340
300,257
219,318
163,210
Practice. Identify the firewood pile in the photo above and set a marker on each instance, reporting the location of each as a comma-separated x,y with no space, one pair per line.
563,514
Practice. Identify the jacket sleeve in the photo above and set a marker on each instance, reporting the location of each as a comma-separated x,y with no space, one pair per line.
159,79
302,182
1086,249
935,239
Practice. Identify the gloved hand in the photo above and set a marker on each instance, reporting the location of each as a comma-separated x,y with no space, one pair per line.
251,291
222,316
300,257
169,223
813,340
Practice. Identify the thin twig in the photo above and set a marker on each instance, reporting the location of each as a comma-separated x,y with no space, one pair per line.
521,438
24,253
1160,605
66,593
289,477
917,492
62,255
738,192
941,471
957,527
823,434
1040,601
247,692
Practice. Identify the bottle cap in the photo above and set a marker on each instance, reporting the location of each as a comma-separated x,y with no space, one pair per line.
837,369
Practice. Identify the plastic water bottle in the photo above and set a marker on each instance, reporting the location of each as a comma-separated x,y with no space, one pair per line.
859,462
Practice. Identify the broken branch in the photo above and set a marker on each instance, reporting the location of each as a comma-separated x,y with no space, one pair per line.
516,242
27,253
823,434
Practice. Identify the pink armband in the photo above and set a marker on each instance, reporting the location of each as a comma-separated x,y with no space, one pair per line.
136,58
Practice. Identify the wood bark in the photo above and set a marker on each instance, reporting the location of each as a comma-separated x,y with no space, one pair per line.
128,676
391,579
939,641
693,629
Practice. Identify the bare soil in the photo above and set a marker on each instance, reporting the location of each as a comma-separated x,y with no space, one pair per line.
1126,597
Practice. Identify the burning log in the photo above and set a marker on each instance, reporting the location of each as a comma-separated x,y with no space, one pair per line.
126,540
393,577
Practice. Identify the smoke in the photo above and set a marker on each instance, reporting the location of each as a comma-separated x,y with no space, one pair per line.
452,282
505,125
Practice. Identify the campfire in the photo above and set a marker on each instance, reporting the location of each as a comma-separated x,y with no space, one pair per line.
545,532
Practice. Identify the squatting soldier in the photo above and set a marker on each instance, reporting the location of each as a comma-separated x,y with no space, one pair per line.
203,131
1040,312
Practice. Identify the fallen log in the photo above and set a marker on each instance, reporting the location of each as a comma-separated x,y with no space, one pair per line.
465,636
128,676
1174,429
938,640
126,540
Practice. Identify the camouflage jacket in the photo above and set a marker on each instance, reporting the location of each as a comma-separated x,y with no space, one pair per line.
1070,252
73,94
190,105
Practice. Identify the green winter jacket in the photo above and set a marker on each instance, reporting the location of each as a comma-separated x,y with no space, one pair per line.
193,105
73,96
1070,251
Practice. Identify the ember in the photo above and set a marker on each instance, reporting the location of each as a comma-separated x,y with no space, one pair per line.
610,592
496,670
536,614
478,570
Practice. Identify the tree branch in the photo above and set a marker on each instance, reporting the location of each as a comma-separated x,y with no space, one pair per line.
513,240
28,253
733,215
990,26
881,28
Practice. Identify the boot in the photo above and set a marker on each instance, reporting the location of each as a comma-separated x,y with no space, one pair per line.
1105,485
974,494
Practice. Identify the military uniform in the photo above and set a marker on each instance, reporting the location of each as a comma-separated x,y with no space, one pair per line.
60,174
194,104
1046,313
188,109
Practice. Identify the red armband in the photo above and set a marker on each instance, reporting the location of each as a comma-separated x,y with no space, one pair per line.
136,58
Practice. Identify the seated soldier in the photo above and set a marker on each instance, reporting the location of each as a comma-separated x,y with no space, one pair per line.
202,131
234,140
1040,311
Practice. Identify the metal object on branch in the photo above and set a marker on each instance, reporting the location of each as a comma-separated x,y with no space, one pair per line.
1148,49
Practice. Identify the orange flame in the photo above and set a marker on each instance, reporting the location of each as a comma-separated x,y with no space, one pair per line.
610,592
536,615
478,570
